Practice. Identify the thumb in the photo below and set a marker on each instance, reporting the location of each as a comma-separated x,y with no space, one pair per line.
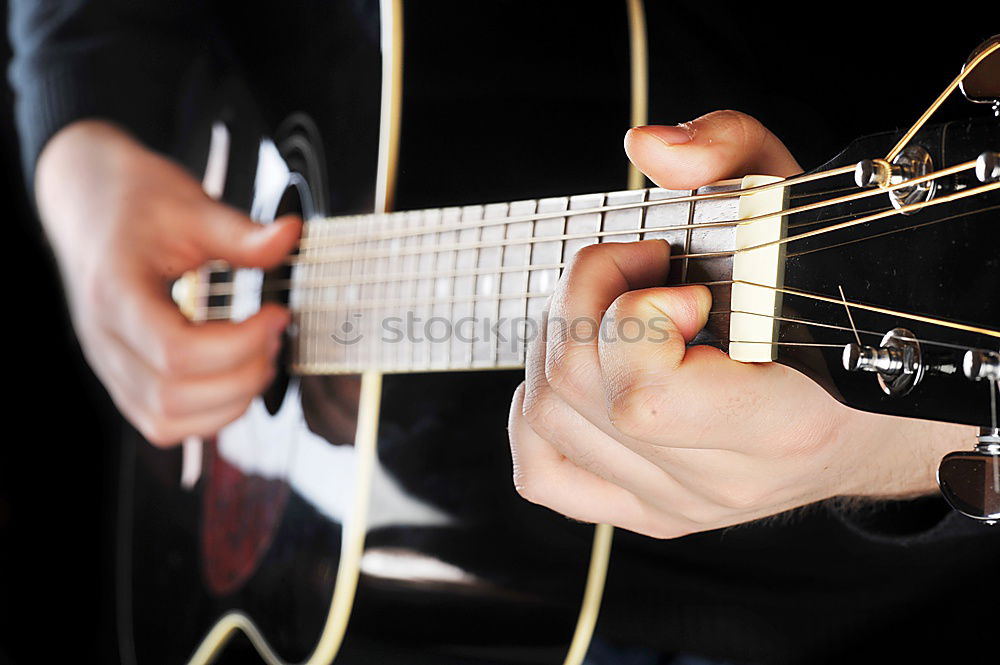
720,145
227,234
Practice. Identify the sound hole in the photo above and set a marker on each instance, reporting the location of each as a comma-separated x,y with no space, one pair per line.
276,290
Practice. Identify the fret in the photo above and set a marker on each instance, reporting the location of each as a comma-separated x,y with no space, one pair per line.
465,285
367,345
624,220
486,310
427,267
714,239
406,356
307,337
582,224
544,252
438,325
325,348
678,214
390,352
349,325
513,310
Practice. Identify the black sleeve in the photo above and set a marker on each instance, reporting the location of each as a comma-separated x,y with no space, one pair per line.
909,522
118,60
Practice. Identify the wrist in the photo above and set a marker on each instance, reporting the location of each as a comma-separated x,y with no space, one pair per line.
897,458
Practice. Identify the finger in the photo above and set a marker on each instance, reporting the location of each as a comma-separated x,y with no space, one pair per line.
648,332
594,278
206,424
146,396
151,325
225,233
543,475
720,145
579,440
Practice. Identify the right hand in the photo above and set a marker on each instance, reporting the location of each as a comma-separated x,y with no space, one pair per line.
125,222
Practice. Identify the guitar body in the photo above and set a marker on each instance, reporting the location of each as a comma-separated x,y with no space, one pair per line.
456,566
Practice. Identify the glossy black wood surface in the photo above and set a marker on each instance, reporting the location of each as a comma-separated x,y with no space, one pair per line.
940,262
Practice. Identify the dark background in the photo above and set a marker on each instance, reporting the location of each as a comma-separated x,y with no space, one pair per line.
819,82
57,463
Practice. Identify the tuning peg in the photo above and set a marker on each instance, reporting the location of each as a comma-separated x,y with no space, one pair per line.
913,162
873,173
988,167
978,364
897,361
970,481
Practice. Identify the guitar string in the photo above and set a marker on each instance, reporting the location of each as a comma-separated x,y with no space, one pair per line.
334,258
219,310
338,242
925,116
879,215
222,312
805,322
375,219
227,287
912,227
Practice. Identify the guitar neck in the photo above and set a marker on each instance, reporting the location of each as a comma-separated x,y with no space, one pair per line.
465,288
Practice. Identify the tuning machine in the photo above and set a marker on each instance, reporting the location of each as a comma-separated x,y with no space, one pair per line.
970,481
913,162
898,361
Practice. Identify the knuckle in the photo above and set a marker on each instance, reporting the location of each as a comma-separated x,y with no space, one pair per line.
636,412
566,373
173,357
540,411
588,253
164,400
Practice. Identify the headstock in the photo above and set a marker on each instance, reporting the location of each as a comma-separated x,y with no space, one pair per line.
900,313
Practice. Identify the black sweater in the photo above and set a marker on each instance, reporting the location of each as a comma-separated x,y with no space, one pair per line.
820,585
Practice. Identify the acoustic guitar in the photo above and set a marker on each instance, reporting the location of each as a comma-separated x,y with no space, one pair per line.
270,536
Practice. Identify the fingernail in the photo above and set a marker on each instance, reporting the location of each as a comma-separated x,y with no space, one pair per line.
669,134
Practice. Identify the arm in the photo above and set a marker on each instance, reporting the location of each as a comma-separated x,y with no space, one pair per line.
96,85
667,440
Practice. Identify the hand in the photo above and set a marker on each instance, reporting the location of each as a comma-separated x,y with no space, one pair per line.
666,440
124,222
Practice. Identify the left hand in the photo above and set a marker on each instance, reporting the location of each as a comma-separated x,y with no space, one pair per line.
666,440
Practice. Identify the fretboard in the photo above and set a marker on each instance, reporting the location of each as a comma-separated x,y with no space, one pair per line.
465,287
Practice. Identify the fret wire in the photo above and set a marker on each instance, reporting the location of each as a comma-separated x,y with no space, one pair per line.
687,241
468,255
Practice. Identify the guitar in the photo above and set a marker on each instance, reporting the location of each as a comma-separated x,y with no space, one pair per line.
299,523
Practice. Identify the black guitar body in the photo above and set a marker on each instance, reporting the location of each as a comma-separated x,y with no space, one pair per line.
513,574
